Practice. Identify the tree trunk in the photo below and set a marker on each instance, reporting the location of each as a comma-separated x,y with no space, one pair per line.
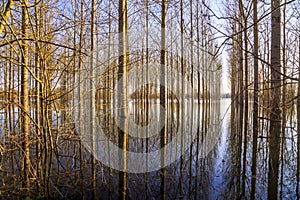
162,97
191,92
38,117
122,100
255,102
284,106
233,80
246,106
92,98
25,97
80,55
241,92
182,96
275,116
241,71
147,90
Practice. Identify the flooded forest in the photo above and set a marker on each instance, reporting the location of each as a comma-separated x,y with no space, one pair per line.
149,99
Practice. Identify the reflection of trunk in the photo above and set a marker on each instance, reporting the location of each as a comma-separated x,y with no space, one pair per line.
25,96
275,116
5,98
255,102
198,146
122,100
163,136
203,162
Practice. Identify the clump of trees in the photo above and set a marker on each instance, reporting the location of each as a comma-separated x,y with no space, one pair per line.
44,45
264,65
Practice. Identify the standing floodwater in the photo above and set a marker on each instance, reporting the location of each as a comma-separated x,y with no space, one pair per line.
218,175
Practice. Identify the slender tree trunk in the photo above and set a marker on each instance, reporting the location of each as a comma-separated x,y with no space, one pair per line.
11,111
109,97
5,98
182,62
198,52
25,97
255,102
246,106
122,100
241,71
233,80
204,74
284,87
80,49
163,136
241,92
39,118
75,74
147,94
191,92
275,116
92,98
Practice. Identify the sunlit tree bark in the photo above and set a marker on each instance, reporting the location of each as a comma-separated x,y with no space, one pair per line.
38,113
25,97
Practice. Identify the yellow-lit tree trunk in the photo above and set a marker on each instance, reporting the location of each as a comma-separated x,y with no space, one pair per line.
24,97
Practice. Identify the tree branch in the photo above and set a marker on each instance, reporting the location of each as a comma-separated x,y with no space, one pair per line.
4,15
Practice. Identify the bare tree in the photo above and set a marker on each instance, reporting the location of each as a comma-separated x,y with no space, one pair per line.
275,115
162,93
255,101
24,96
92,97
122,100
5,14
